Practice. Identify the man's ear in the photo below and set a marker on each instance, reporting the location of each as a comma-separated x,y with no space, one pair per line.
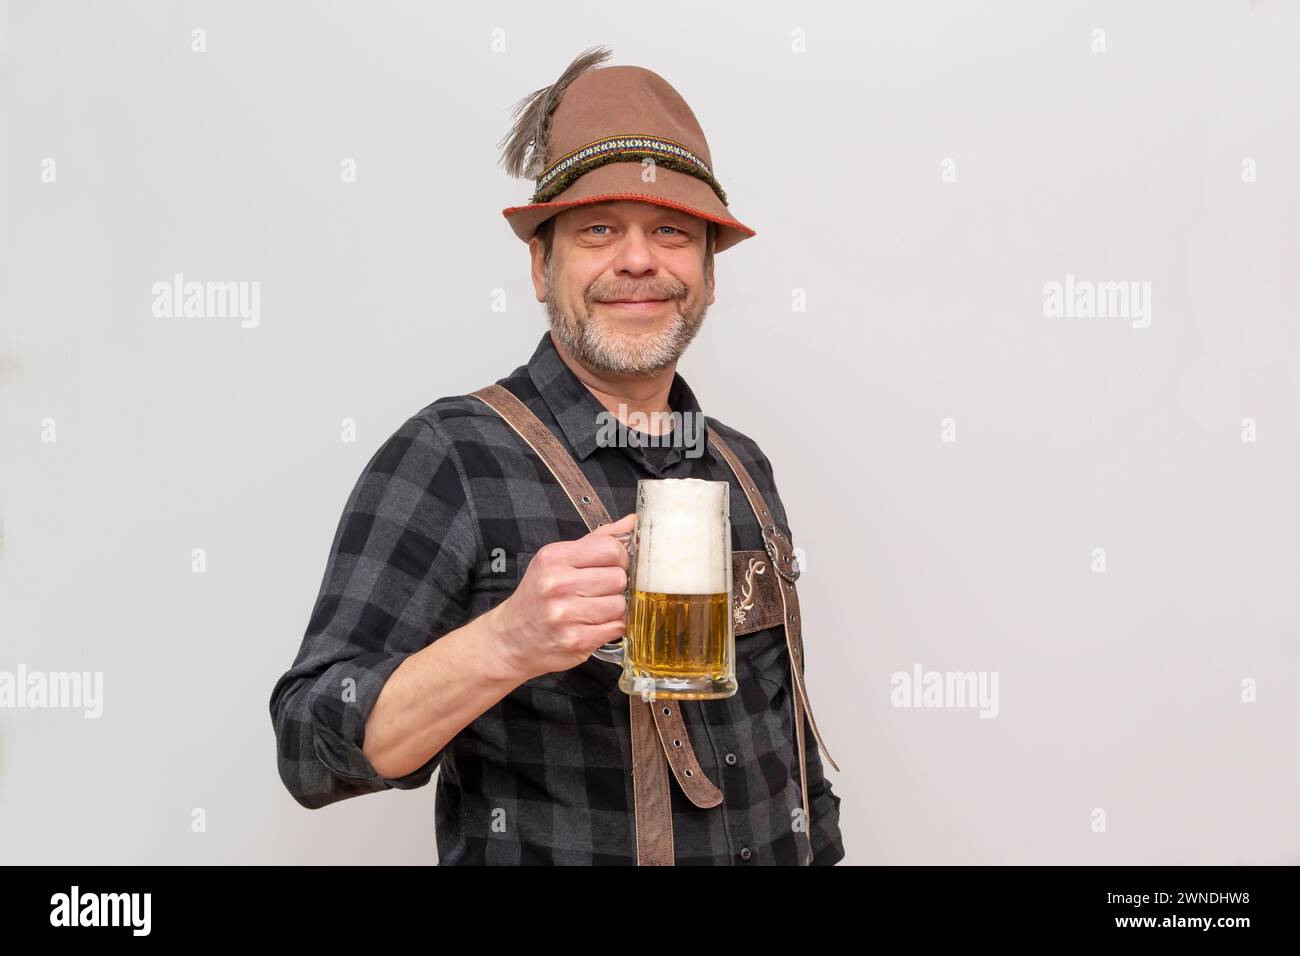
538,255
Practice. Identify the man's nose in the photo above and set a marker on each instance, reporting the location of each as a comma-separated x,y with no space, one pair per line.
635,255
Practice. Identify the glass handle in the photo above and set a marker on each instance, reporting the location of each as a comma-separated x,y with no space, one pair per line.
614,652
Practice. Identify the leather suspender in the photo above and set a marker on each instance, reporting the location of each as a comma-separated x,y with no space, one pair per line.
659,736
781,552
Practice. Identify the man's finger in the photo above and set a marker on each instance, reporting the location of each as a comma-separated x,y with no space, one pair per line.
597,582
604,547
623,524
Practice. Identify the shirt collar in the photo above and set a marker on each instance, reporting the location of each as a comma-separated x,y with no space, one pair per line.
580,414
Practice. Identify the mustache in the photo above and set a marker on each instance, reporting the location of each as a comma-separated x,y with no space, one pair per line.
673,290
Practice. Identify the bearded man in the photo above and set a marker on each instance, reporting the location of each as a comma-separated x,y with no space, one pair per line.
476,568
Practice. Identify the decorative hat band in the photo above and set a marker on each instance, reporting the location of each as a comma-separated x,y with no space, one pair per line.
622,148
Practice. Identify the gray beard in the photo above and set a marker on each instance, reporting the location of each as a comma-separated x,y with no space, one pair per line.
597,347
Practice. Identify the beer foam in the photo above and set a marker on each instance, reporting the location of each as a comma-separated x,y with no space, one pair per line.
683,537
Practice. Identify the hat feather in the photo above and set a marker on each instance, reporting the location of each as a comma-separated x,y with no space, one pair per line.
532,126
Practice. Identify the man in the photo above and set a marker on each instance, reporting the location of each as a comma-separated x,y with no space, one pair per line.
464,595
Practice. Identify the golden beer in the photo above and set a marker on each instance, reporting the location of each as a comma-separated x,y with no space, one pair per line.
678,635
679,641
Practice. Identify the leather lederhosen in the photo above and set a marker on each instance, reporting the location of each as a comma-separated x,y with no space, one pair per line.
659,737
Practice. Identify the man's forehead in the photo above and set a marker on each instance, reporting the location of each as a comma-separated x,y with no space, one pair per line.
629,210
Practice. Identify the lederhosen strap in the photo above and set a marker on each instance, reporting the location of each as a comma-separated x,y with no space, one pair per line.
672,748
781,552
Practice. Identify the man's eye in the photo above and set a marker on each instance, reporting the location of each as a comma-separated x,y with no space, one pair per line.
676,230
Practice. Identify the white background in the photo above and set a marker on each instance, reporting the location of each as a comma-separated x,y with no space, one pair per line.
1119,691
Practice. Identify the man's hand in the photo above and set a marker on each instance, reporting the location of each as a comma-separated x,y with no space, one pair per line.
570,602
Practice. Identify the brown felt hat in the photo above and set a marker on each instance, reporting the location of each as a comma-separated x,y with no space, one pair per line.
610,134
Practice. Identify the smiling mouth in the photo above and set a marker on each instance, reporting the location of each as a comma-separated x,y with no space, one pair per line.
635,304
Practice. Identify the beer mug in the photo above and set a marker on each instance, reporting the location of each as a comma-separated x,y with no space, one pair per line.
679,641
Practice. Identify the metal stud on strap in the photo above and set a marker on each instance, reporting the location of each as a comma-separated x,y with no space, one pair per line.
781,552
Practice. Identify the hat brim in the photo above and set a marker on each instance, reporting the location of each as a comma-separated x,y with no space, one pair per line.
615,182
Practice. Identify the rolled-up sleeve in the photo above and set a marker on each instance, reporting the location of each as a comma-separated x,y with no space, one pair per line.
396,579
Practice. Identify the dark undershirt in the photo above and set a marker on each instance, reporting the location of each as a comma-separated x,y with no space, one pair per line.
656,447
656,454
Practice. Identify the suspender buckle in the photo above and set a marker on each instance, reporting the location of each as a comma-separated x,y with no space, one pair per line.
781,552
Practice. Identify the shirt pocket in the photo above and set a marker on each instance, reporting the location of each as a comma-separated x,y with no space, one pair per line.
765,694
766,699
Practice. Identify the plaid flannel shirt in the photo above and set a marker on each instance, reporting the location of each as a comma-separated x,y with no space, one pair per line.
438,529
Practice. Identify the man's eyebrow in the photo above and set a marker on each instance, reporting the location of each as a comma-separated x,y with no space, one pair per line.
668,217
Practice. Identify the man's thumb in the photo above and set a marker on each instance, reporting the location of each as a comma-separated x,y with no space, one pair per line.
621,526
